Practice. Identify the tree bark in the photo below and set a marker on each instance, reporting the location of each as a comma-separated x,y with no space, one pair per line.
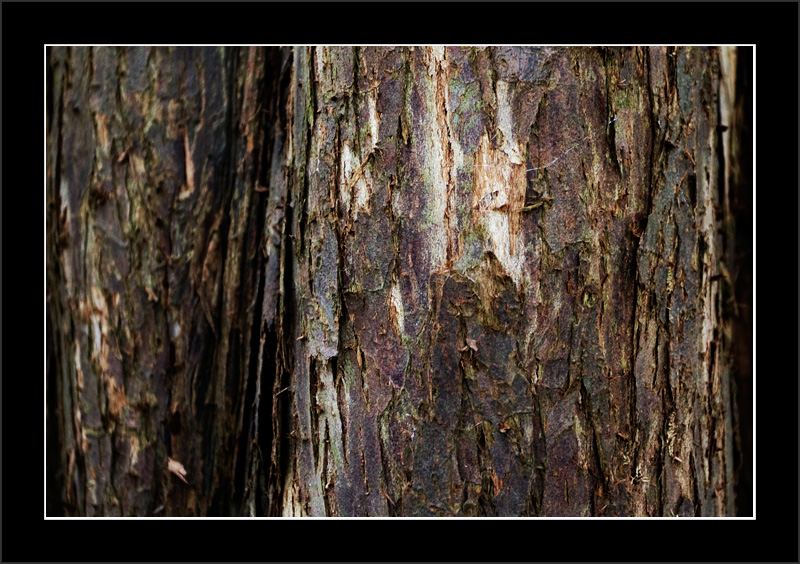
155,225
390,281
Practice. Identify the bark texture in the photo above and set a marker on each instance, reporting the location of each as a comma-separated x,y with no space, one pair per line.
155,226
390,281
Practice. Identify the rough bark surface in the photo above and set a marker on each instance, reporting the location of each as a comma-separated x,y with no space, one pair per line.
390,281
155,221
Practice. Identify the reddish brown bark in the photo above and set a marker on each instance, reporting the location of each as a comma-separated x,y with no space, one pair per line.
391,281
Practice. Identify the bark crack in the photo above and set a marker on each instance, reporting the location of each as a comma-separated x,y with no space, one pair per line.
448,165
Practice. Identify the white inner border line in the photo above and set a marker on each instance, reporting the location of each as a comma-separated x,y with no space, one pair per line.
753,318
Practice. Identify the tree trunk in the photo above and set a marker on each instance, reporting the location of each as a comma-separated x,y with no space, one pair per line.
390,281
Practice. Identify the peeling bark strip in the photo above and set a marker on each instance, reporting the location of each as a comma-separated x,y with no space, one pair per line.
390,281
